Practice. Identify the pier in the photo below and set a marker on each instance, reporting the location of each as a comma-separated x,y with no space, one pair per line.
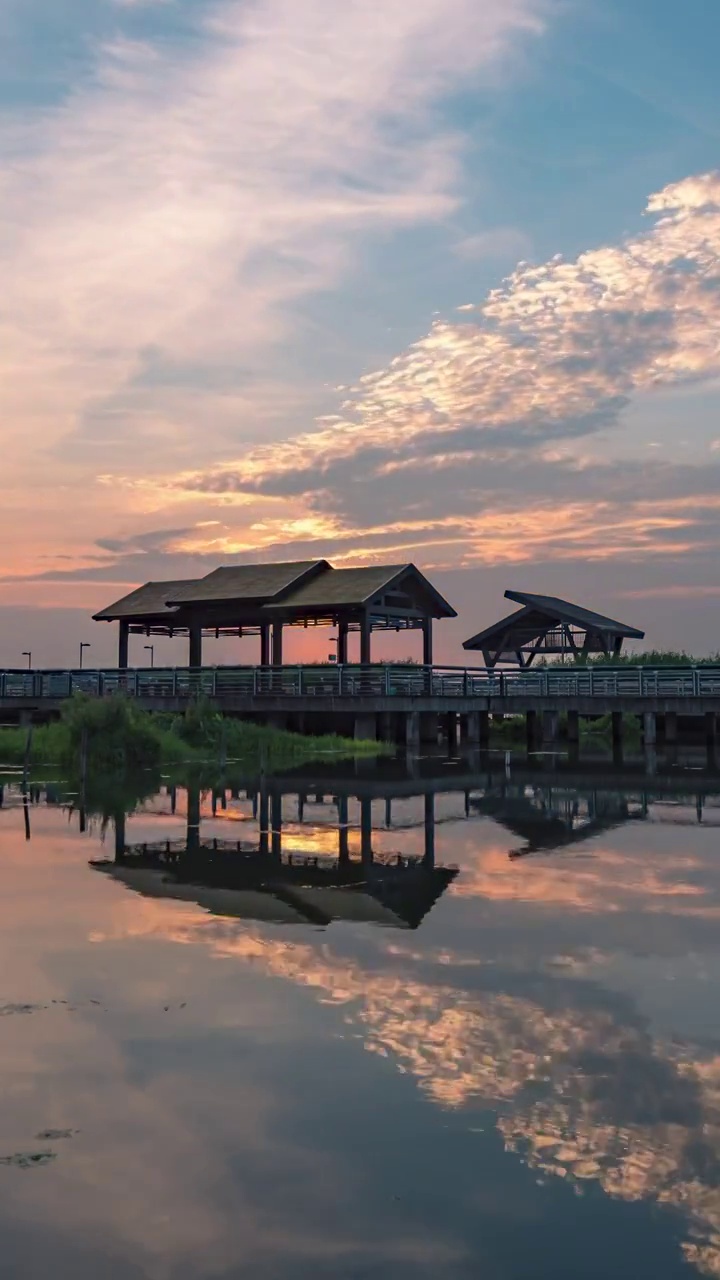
398,703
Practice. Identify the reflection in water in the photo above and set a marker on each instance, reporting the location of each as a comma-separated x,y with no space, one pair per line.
588,1032
257,881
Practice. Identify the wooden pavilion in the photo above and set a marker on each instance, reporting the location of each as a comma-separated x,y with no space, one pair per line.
262,599
546,625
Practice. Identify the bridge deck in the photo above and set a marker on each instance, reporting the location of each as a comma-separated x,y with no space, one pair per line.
402,688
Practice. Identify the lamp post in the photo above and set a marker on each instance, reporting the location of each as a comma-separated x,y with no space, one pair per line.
151,647
84,644
27,653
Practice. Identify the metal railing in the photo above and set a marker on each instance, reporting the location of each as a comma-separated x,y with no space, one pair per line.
386,680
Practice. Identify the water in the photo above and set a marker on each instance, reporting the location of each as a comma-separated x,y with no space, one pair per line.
216,1062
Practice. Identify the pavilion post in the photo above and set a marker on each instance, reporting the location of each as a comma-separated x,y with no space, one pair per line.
342,643
265,645
277,644
427,630
195,646
123,646
365,633
429,854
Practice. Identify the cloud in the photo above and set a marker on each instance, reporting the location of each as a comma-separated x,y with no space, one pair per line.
499,242
555,352
185,197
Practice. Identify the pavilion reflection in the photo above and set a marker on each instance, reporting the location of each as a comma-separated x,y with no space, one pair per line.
260,880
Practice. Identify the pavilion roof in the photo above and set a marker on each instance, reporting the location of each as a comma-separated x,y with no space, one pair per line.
257,582
346,588
148,600
539,612
574,614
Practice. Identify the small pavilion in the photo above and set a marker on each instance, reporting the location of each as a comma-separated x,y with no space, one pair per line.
262,599
545,626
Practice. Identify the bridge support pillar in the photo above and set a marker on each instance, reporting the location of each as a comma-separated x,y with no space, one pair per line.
264,822
452,732
276,826
671,728
429,853
343,830
366,851
649,729
573,728
531,730
711,729
412,731
550,726
617,728
429,728
366,725
475,728
387,726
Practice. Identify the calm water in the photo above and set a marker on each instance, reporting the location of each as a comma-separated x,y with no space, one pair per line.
316,1050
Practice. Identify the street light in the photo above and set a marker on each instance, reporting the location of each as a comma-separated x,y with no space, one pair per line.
84,644
151,647
27,653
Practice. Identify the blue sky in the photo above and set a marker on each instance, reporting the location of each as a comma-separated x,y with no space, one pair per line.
265,296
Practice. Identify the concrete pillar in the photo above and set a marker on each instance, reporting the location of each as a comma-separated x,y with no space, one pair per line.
366,829
412,731
711,728
671,728
342,642
263,821
649,729
475,728
573,727
265,645
388,812
532,733
366,725
195,645
387,726
550,726
277,644
343,830
276,824
452,732
193,817
429,727
365,634
427,630
429,857
617,728
123,645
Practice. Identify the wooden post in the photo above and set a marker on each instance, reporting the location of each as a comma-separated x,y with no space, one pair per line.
342,643
429,858
366,851
427,629
195,645
265,645
263,818
343,830
277,644
276,822
365,634
123,646
193,816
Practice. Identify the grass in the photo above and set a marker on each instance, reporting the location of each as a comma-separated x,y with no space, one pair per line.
114,734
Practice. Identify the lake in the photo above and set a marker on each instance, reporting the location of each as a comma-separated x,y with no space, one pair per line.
407,1018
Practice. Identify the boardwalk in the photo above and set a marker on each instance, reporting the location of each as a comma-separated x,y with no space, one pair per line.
355,698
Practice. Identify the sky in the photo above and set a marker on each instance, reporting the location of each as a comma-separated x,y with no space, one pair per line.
376,282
